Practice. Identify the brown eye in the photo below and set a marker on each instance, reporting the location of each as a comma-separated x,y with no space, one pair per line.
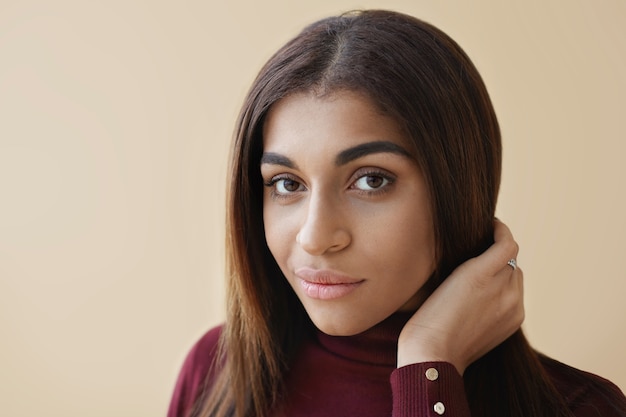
371,182
374,182
290,185
286,186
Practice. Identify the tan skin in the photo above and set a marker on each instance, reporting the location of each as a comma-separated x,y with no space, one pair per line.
477,307
347,218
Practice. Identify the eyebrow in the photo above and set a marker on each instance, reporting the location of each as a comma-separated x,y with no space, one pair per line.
369,148
344,156
277,159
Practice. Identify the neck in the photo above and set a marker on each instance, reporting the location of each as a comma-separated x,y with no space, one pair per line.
377,345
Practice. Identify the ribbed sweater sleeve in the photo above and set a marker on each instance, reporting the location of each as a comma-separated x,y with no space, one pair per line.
428,389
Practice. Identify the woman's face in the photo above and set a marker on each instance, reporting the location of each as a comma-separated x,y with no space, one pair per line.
346,210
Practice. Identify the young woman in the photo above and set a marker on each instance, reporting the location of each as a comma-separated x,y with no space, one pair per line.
363,275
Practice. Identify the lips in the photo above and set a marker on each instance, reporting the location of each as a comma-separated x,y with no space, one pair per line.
325,284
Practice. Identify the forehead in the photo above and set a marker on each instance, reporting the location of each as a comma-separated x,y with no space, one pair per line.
343,118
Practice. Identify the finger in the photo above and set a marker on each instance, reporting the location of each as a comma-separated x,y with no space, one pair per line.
502,234
507,273
495,258
515,299
512,285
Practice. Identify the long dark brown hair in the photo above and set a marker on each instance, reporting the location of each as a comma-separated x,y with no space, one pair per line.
419,76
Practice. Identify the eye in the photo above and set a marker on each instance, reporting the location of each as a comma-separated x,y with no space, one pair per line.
287,185
283,186
372,181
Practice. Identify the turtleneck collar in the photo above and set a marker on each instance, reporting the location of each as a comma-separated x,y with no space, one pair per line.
377,345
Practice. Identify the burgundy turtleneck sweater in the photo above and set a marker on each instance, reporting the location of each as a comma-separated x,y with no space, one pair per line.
338,376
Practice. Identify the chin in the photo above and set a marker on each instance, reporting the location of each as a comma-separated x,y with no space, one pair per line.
343,326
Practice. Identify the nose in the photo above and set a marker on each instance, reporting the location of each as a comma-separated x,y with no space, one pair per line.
324,229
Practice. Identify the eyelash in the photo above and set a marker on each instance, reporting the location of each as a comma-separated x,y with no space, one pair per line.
272,184
368,172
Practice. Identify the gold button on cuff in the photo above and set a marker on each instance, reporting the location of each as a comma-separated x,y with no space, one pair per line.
439,408
432,374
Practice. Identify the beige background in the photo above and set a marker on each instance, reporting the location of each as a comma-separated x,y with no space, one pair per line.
115,118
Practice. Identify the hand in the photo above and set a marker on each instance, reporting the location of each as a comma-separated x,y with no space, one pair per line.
475,309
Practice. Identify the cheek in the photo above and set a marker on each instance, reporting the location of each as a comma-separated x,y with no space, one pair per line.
269,226
410,243
277,233
412,252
